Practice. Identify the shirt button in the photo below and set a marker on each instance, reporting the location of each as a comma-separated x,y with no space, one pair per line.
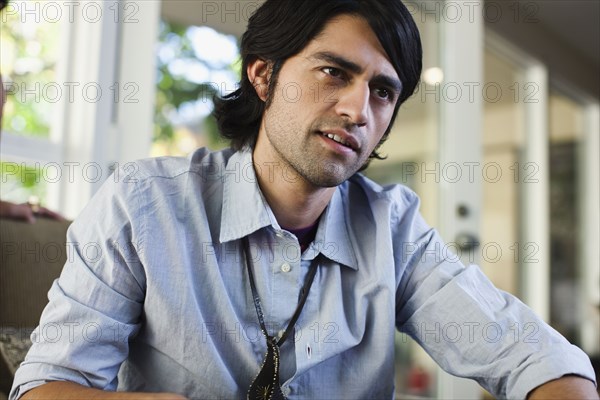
286,267
279,234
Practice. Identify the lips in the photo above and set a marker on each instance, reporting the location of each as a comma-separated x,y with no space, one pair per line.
341,137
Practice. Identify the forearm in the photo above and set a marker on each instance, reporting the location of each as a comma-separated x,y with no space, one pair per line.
72,391
567,387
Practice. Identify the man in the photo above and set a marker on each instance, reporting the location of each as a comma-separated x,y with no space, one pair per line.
275,270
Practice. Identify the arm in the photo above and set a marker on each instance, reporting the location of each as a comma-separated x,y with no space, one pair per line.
69,390
567,387
95,306
476,331
16,211
26,212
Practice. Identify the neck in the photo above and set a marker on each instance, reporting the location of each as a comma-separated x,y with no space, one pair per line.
295,202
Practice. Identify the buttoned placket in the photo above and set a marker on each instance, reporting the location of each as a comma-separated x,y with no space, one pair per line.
306,343
287,278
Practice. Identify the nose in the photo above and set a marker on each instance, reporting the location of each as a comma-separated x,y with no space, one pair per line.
353,103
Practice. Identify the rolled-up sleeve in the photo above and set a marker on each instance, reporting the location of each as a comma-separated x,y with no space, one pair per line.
95,305
473,330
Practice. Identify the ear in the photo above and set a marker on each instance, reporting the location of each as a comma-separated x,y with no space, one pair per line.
259,72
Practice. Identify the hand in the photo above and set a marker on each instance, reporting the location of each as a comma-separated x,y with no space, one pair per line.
26,212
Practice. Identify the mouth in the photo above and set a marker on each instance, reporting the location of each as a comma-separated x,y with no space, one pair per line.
342,138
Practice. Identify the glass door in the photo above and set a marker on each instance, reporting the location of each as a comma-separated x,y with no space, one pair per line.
573,174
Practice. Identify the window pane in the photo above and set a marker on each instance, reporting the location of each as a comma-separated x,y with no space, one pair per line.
566,125
194,63
28,58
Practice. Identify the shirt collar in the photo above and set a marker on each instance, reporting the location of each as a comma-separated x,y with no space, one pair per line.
245,211
333,239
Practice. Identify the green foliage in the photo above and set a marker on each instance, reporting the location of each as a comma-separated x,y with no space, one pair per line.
29,53
20,182
26,175
173,91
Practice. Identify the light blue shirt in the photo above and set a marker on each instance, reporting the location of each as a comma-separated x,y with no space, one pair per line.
155,296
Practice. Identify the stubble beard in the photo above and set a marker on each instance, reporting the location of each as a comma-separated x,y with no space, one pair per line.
302,156
308,164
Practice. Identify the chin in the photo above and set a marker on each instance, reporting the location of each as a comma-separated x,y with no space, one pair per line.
328,180
326,175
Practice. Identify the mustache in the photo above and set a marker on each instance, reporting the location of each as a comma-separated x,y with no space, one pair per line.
330,123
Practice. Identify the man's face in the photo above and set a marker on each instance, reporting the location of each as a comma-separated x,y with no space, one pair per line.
332,104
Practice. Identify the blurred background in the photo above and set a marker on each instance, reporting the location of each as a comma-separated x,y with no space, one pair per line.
501,141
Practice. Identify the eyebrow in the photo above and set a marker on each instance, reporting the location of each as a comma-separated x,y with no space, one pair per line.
348,65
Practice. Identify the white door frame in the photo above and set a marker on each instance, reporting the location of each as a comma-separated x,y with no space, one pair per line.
461,124
534,176
117,54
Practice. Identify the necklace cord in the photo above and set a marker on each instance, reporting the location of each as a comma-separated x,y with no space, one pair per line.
303,295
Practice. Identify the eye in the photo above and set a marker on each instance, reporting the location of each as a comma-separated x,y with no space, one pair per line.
384,94
334,72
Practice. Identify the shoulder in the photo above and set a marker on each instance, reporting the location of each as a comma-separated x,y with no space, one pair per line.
392,208
396,195
152,182
156,190
202,162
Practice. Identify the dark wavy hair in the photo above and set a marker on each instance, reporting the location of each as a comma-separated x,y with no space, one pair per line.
280,29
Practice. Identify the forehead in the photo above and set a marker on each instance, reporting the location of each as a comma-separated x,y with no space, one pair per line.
353,38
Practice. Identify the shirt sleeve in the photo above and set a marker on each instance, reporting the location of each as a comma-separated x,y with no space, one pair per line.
472,329
95,305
